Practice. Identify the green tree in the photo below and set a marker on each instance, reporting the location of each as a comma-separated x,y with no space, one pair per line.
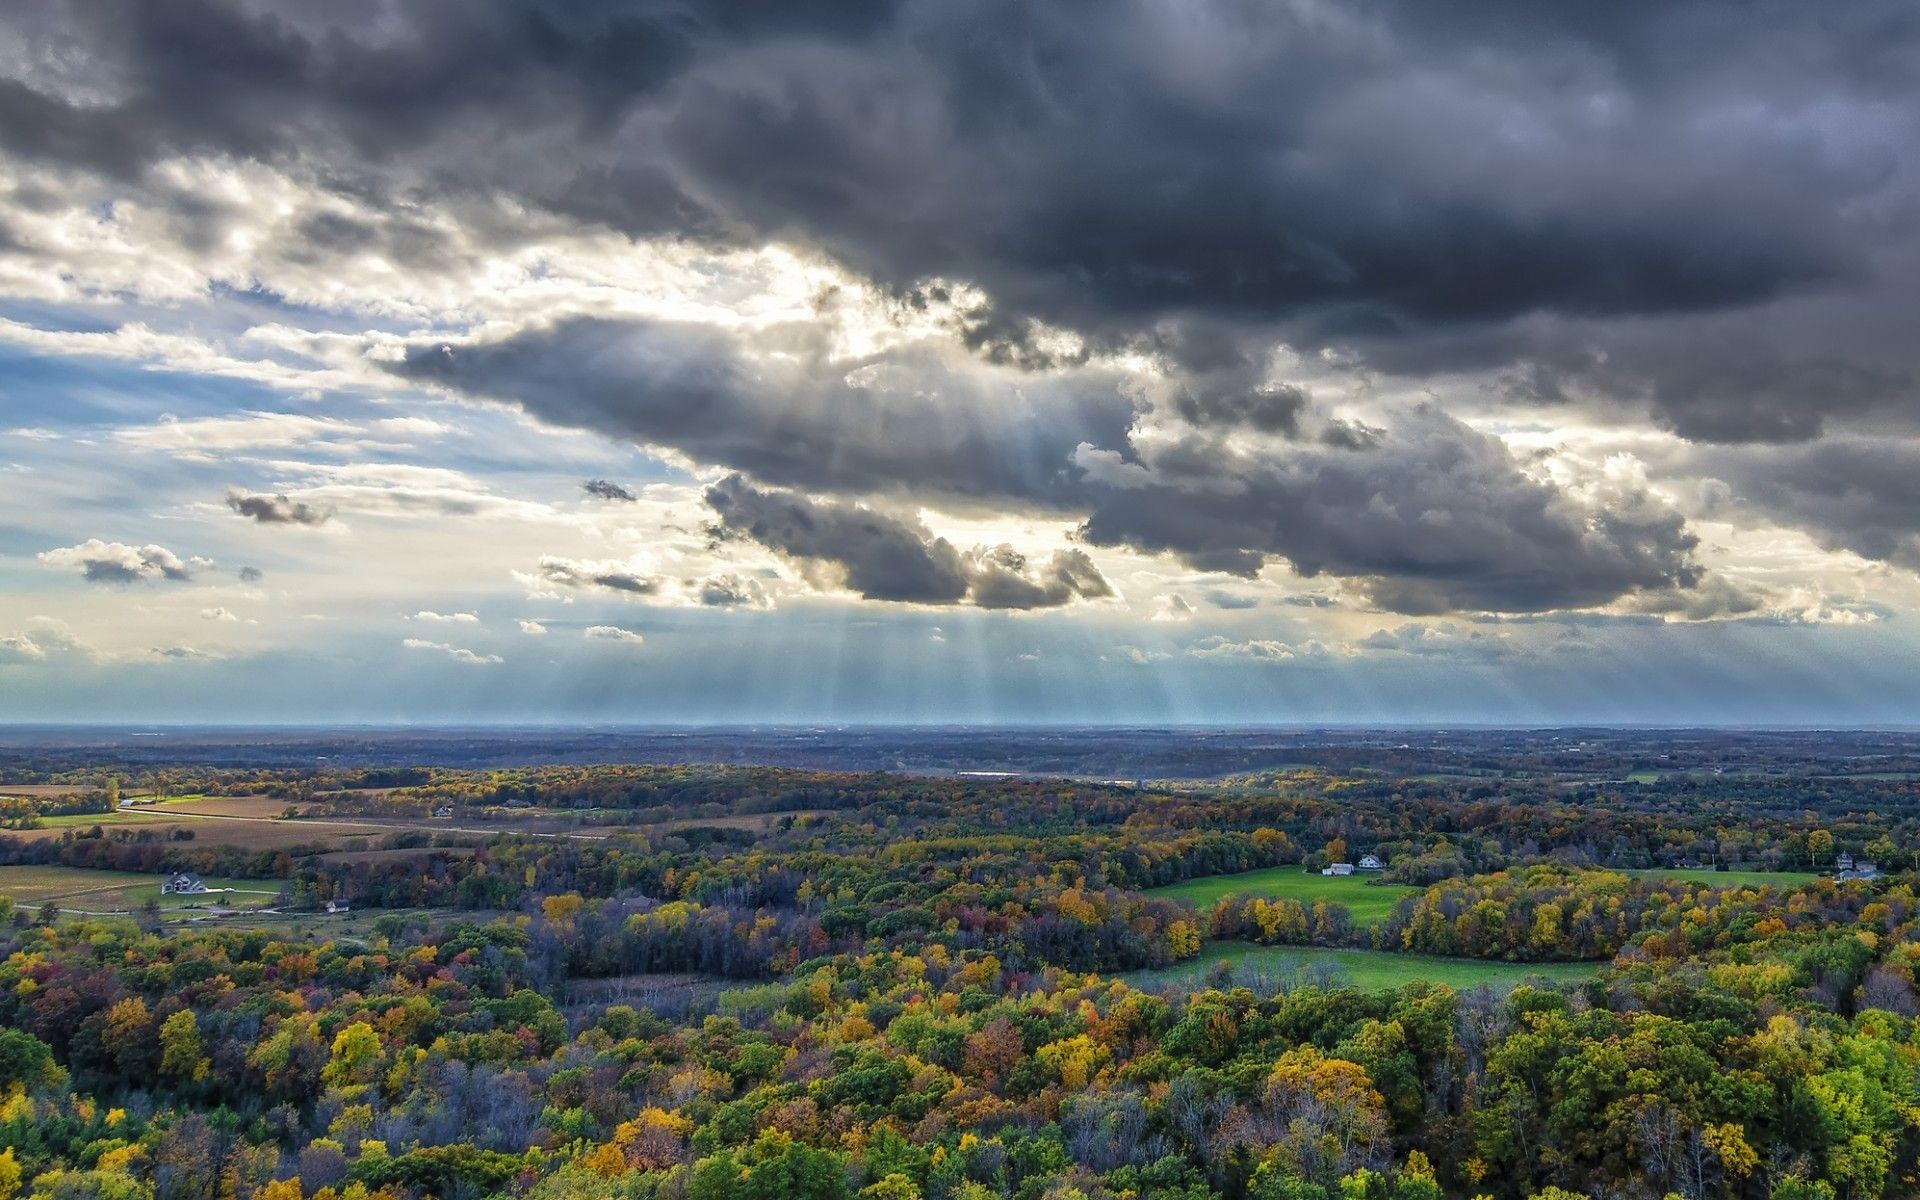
26,1061
774,1168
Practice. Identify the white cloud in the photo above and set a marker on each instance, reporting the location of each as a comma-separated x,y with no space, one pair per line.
456,653
614,633
1263,649
20,648
1172,608
454,618
116,562
533,628
182,653
45,639
208,437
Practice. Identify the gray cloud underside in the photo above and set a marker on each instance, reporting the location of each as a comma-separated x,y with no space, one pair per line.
274,508
607,489
890,556
1851,494
572,573
1544,187
117,563
1436,516
1431,515
799,422
1703,209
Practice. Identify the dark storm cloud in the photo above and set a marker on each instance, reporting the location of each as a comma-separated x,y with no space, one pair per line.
1233,401
1366,166
607,489
886,556
1432,515
1851,494
271,508
800,422
1436,517
883,557
1700,209
1727,378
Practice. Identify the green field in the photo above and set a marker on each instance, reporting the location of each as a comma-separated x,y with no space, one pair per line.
1782,879
243,893
85,890
1369,902
1369,970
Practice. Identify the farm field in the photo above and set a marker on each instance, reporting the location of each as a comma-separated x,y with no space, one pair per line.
1369,970
108,891
1728,878
30,885
1369,902
246,834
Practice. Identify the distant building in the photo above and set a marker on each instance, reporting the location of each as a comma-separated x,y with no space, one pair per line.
1371,862
1337,869
445,810
338,906
183,883
1843,863
1860,869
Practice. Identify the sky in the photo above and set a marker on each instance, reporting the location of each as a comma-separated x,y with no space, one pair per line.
449,361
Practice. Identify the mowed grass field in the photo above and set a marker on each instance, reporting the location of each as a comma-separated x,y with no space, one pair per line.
1782,879
221,893
1368,970
1369,902
109,891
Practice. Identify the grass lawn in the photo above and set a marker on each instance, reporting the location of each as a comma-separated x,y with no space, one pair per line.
1782,879
1369,902
1370,970
240,893
108,891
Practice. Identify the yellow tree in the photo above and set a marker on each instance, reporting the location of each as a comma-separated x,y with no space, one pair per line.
181,1055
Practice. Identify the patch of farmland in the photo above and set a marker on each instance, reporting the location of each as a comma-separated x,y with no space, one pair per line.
1366,899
